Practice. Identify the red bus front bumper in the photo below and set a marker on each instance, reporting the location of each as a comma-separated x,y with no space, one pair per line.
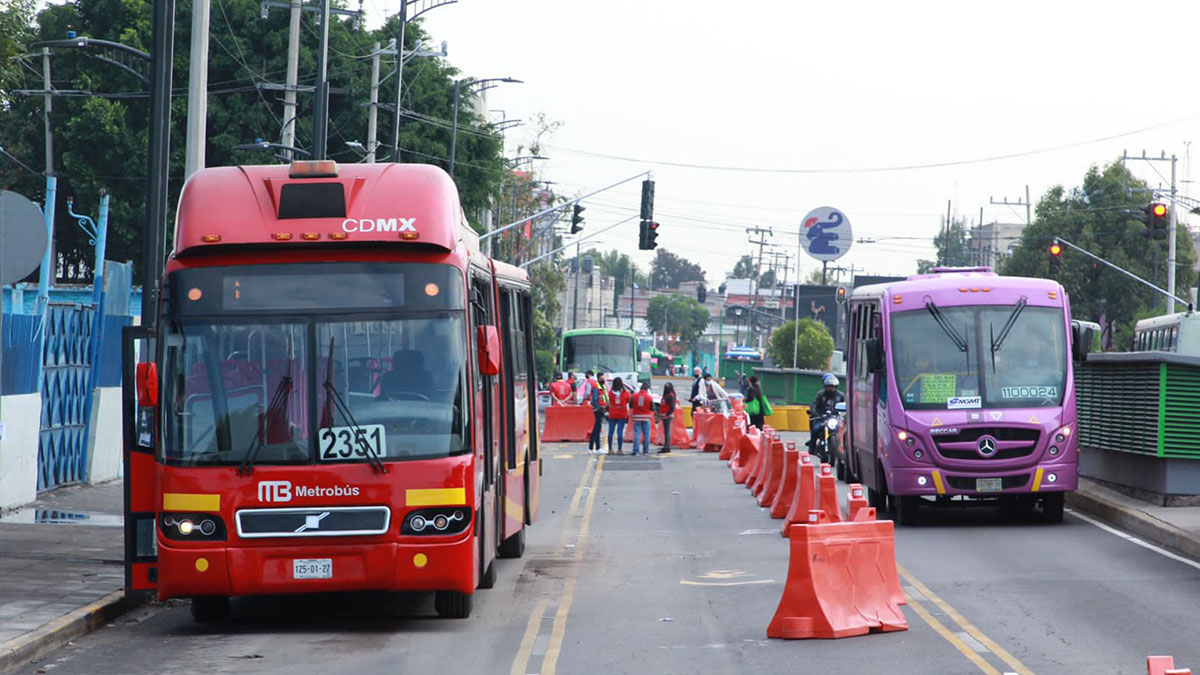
234,570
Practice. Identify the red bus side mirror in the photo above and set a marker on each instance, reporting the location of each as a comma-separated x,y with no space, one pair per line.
489,350
147,385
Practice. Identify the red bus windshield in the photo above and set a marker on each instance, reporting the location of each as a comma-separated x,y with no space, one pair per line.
264,361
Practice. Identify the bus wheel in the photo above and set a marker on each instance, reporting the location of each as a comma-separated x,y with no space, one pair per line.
1016,508
878,498
210,608
1052,507
907,509
840,469
514,546
452,604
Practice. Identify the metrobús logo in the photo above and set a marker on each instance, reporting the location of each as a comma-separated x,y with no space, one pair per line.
379,225
284,491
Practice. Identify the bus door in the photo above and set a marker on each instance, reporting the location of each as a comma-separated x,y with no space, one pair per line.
487,420
533,457
511,393
139,396
863,393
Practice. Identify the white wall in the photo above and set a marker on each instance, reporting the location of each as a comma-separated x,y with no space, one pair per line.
105,458
21,416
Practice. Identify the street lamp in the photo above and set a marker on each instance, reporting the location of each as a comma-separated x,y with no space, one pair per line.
464,86
737,326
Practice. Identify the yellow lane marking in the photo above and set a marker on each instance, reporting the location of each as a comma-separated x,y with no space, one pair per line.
436,497
725,583
953,639
176,501
550,661
974,632
520,664
564,456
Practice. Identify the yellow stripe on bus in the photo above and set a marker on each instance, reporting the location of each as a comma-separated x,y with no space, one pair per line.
177,501
1037,479
937,482
436,497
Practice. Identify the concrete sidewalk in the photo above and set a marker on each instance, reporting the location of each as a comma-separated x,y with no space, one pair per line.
62,573
61,569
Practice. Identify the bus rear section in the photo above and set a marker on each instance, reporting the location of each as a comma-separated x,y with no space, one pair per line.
324,417
961,388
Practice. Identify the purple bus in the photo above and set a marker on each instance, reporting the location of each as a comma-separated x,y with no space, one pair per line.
960,386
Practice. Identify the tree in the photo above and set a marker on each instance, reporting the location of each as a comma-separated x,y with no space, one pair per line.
816,277
767,280
668,270
811,350
952,247
681,315
617,265
1101,217
745,268
101,140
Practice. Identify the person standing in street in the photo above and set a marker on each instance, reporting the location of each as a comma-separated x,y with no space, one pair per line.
583,392
598,399
560,391
666,410
697,380
756,404
618,414
641,411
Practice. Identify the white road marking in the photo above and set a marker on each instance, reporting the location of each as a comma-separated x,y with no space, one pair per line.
1134,540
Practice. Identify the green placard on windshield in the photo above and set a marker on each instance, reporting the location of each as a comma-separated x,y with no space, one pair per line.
937,388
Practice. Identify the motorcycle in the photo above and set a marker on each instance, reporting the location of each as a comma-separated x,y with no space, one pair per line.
827,444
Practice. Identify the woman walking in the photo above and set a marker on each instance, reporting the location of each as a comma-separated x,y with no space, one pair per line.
756,404
666,410
618,413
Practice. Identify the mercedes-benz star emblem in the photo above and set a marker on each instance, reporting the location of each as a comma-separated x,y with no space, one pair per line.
987,446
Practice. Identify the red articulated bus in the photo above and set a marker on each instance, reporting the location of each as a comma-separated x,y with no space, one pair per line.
339,395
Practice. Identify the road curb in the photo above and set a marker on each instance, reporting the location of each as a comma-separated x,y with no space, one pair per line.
22,650
1136,522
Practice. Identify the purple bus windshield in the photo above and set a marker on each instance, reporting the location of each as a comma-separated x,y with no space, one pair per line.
979,356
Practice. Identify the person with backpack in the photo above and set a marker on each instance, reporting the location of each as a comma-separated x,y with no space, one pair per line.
666,411
618,414
757,405
641,411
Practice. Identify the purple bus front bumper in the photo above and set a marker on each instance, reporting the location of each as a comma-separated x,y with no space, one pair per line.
1058,476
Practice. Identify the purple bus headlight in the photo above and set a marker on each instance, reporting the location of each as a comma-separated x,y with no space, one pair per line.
911,443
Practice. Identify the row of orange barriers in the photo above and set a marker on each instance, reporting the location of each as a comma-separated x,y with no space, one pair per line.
842,578
1164,665
573,424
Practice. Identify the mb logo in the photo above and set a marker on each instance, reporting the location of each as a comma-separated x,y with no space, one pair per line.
274,491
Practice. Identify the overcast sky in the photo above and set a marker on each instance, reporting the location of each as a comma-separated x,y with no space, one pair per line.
795,99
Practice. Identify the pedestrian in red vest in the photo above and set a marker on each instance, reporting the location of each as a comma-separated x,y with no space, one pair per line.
618,414
560,391
641,411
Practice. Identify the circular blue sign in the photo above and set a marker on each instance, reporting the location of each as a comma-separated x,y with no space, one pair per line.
826,234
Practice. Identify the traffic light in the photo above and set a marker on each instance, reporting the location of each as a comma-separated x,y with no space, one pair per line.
1157,221
701,293
647,236
1055,253
577,219
647,200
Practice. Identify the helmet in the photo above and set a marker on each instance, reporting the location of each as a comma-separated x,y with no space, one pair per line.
829,380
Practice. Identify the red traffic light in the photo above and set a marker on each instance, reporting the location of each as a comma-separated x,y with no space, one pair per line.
1158,210
1055,250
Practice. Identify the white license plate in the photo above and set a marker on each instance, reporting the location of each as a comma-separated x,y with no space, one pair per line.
312,568
339,444
988,485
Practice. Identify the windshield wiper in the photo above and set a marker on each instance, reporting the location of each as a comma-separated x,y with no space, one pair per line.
360,436
277,405
946,327
1012,319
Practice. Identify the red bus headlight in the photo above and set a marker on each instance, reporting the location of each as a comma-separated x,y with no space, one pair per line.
445,520
192,527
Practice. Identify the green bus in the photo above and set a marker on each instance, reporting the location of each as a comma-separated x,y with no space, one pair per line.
610,351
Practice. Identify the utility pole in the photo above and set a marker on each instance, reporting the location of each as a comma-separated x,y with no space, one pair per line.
158,164
197,116
762,242
575,301
399,81
1171,230
46,272
321,105
293,66
373,112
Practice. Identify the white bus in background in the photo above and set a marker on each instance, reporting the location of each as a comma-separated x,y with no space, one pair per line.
1177,333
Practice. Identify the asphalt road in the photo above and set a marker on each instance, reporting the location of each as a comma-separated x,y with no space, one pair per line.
649,565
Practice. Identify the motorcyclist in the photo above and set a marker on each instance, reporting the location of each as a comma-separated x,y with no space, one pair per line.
823,405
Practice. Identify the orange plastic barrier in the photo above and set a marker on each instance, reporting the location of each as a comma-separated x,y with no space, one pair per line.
567,423
716,434
762,466
1164,665
837,585
787,487
679,433
700,428
733,436
770,485
827,498
855,501
656,432
747,455
805,496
